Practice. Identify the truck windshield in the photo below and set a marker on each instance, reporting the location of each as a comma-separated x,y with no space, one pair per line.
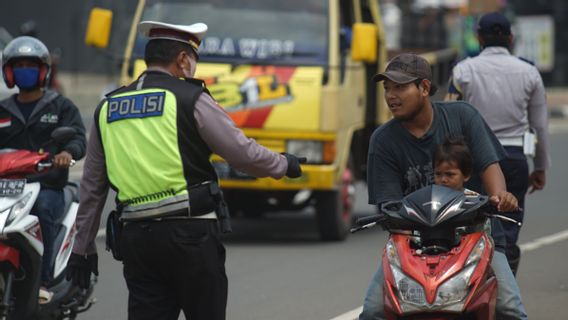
289,32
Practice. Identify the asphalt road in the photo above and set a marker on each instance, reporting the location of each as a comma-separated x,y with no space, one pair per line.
278,270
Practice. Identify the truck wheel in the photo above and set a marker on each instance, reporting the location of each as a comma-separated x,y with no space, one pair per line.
334,209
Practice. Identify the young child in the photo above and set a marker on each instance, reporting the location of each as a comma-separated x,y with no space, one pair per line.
453,164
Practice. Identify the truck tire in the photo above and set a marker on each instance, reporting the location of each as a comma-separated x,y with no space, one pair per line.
334,210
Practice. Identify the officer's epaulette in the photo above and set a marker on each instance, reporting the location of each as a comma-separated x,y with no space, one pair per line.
196,82
108,94
527,60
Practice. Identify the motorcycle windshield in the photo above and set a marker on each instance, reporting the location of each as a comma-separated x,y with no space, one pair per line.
292,32
439,206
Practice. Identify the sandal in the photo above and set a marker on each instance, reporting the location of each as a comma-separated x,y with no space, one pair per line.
44,296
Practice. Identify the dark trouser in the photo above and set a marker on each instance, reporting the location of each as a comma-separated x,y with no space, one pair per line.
174,265
48,208
516,171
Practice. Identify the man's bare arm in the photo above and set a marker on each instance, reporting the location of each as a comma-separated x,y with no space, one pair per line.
494,183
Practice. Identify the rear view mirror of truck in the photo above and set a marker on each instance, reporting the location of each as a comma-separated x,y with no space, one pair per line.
98,28
364,42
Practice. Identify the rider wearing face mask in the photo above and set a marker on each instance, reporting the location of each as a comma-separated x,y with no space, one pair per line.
26,122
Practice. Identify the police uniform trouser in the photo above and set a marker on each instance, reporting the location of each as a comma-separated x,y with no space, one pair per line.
516,171
174,265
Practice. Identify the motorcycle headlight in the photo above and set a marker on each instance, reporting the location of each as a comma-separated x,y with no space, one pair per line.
476,253
392,255
409,290
18,208
456,288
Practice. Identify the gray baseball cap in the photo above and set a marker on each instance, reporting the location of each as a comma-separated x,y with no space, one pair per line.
405,68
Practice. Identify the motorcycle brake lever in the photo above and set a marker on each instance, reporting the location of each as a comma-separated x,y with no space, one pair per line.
363,227
518,223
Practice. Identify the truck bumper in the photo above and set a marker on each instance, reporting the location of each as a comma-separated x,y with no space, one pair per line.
315,177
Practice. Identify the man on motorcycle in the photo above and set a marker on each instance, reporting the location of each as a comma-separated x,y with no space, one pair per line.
26,122
400,162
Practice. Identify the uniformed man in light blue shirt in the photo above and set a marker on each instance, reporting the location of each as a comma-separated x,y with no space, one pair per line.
510,95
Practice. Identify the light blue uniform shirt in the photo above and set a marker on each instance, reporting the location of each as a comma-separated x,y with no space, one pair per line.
509,94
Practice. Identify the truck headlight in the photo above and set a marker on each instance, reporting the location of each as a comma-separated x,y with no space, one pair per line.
312,150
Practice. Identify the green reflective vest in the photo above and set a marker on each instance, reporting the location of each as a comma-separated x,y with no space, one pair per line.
152,149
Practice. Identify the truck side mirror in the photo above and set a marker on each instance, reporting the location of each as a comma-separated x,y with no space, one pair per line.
98,28
364,42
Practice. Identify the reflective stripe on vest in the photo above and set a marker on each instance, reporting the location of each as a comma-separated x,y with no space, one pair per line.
139,135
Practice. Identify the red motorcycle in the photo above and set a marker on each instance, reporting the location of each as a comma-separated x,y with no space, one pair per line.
437,261
21,245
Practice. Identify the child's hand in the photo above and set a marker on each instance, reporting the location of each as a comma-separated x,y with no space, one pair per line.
504,201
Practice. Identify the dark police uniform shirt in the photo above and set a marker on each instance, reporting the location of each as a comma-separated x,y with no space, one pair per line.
400,163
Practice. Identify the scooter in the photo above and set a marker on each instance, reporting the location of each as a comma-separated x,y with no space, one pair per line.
21,246
437,261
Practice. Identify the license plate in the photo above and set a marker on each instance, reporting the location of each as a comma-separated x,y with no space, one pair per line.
11,187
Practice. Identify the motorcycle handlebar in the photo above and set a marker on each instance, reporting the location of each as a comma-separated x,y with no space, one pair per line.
491,211
48,164
370,219
367,222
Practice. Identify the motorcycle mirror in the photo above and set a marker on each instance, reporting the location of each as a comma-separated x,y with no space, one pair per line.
63,134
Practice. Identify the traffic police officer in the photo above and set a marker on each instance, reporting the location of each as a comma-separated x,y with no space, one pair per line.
151,144
509,94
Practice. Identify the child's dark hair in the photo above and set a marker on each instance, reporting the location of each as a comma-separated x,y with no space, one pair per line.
455,149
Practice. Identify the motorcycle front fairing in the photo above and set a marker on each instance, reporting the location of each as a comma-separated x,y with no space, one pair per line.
15,220
432,268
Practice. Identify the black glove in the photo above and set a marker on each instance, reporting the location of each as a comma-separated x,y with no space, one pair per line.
294,169
79,269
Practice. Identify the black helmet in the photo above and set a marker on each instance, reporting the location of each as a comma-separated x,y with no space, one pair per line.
22,48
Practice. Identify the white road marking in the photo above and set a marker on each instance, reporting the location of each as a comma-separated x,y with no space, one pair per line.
541,242
353,314
525,247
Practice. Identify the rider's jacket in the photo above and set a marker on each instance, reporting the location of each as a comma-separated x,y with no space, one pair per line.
51,111
154,177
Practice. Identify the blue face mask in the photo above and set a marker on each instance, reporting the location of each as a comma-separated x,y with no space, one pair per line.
26,78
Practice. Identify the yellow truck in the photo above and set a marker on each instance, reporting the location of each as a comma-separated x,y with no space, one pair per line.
295,76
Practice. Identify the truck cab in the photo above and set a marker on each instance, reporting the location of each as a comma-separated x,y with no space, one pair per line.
293,75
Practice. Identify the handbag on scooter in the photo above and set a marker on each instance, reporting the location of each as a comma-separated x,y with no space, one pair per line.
113,232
